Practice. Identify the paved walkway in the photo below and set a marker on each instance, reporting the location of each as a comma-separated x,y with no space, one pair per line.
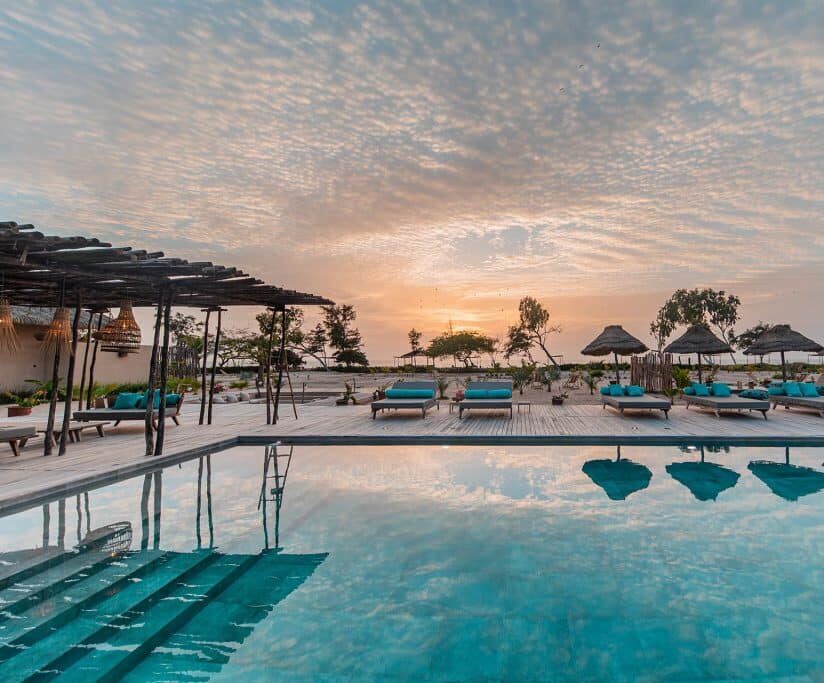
31,478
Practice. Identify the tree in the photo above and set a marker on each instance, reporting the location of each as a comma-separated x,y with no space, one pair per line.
695,306
342,336
461,346
298,342
533,329
746,339
187,345
414,340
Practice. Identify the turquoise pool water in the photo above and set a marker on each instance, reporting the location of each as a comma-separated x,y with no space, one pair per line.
427,563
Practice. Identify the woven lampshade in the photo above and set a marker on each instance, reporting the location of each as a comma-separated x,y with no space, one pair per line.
9,341
121,335
59,331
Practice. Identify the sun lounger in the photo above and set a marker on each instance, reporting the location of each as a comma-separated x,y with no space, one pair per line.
419,395
75,430
118,415
645,402
719,404
16,437
809,402
494,402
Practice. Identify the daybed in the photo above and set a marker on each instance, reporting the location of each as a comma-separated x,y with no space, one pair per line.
632,398
417,395
718,398
488,395
797,395
130,407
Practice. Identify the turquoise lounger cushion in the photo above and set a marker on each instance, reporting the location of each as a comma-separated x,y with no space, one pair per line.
689,391
605,391
126,401
476,393
172,399
820,390
499,393
776,390
759,394
141,404
635,390
701,389
720,389
616,390
792,389
808,390
410,393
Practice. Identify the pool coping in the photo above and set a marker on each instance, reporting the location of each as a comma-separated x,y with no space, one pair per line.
23,501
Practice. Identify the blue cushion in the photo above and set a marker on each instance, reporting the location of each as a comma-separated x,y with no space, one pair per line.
689,391
499,393
760,394
616,390
701,389
126,401
410,393
720,389
808,390
776,390
635,390
820,390
792,389
141,404
605,391
476,393
172,399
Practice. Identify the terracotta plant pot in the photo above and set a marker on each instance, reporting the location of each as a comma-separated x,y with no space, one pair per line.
100,403
557,401
19,411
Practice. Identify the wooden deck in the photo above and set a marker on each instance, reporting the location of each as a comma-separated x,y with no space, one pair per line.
95,461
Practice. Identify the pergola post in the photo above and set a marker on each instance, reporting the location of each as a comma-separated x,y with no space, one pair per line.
90,391
269,368
67,405
214,365
203,367
280,358
55,379
164,377
149,424
85,362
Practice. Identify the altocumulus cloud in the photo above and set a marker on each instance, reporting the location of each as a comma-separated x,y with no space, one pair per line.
560,143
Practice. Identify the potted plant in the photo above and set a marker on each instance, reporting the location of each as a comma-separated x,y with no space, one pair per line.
558,399
348,395
443,384
23,405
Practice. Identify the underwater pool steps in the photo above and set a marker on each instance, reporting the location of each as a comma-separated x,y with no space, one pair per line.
71,641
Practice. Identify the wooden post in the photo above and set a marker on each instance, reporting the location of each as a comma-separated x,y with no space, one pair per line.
67,405
617,371
164,377
49,439
783,368
90,391
158,501
699,368
149,424
214,365
85,362
203,368
269,368
280,359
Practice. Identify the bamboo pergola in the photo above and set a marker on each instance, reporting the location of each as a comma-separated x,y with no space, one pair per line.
86,273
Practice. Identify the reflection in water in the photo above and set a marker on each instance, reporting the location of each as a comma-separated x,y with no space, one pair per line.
706,480
619,478
791,482
275,470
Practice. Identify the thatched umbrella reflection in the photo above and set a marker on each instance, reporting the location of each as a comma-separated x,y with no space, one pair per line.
705,480
615,340
699,340
782,338
790,482
619,478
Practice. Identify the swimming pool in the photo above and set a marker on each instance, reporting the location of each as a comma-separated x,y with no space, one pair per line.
426,563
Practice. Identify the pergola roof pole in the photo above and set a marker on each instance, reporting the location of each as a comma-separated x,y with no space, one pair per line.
269,337
67,406
85,362
164,377
281,358
214,366
55,378
203,368
90,390
149,425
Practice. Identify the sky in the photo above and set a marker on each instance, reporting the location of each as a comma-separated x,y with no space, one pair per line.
431,162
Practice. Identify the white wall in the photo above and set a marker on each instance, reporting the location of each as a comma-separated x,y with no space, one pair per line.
31,363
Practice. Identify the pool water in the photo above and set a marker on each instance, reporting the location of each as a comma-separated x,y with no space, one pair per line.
426,563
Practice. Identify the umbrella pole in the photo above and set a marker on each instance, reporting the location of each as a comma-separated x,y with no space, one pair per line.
617,371
783,368
699,368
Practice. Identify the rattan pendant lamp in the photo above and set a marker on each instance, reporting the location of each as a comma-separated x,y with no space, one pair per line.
122,335
9,341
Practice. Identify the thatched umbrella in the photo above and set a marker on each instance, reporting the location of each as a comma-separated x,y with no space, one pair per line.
699,340
782,338
615,340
